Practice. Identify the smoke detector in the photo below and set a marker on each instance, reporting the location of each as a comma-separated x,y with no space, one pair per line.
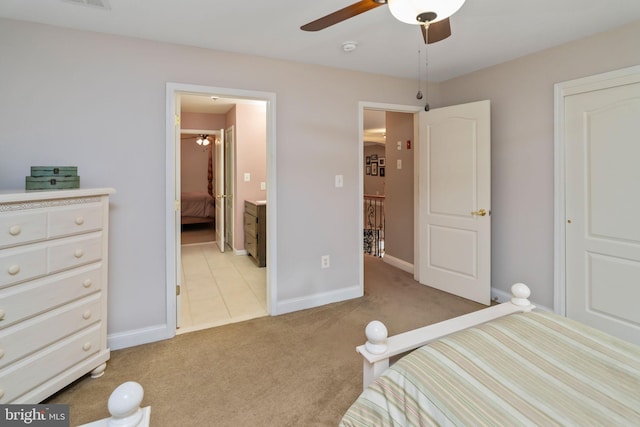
98,4
349,46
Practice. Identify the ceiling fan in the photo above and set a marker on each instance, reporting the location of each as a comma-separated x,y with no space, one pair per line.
431,15
201,139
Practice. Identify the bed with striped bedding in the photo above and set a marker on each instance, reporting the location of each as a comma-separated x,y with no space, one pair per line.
525,369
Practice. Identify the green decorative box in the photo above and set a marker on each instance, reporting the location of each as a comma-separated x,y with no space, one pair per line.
54,171
50,183
53,178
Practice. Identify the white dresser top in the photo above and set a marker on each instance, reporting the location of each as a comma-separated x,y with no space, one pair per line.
8,196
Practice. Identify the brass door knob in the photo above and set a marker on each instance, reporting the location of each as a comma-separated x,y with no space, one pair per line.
481,212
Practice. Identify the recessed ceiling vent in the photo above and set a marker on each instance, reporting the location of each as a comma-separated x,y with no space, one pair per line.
98,4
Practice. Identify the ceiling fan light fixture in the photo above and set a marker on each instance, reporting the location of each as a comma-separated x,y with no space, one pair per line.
418,12
203,140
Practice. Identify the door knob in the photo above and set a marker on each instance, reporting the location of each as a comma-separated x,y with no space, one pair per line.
481,212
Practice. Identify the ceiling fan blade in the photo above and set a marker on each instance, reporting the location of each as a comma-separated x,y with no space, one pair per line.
341,15
437,31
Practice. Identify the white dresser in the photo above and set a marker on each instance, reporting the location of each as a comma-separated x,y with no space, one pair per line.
53,290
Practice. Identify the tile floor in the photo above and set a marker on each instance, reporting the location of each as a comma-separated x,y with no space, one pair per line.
219,288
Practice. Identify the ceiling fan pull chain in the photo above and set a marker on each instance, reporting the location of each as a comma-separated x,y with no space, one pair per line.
419,94
426,70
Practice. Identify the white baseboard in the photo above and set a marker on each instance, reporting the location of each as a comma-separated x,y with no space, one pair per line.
136,337
295,304
241,252
398,263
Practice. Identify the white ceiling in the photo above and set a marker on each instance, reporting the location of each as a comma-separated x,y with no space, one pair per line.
485,32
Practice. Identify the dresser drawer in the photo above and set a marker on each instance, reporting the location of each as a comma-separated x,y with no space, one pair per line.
22,263
37,369
30,336
250,224
74,251
251,208
75,219
29,299
250,244
20,227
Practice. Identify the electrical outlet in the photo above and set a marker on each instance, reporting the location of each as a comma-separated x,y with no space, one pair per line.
339,181
325,261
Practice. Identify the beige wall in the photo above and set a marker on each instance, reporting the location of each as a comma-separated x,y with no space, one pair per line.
99,102
522,127
399,201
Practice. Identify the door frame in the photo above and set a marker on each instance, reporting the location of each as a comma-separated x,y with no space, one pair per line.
561,91
397,108
172,233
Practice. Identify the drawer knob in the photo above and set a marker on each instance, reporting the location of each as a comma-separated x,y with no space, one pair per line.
86,315
14,269
79,220
2,314
78,253
86,346
87,283
14,230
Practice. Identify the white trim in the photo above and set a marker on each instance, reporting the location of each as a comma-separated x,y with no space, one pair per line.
135,337
323,298
398,263
362,105
171,90
561,91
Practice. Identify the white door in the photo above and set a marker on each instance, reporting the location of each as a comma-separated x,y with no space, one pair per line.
602,191
177,218
219,192
229,180
454,225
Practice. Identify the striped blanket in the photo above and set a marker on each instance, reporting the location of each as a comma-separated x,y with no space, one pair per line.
528,369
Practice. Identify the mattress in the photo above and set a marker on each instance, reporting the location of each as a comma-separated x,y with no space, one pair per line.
193,204
526,369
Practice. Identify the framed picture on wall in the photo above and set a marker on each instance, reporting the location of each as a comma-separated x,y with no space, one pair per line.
382,162
374,157
374,168
381,170
368,170
368,160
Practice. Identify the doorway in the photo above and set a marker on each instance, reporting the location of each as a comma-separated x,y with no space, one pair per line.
175,276
372,126
444,133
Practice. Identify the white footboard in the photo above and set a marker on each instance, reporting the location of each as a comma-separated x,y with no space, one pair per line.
124,407
379,348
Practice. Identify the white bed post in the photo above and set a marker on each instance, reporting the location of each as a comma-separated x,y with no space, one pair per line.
124,407
377,334
379,347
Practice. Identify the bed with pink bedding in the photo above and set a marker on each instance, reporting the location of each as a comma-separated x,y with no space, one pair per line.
196,208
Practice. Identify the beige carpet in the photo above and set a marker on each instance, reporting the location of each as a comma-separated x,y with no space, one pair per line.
298,369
